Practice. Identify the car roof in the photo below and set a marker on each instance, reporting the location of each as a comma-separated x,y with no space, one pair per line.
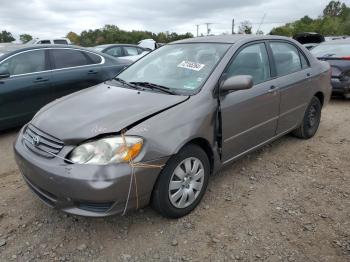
229,39
16,48
109,45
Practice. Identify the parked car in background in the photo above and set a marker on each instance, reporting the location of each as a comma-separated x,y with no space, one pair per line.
158,130
131,52
337,54
149,44
33,76
309,39
47,41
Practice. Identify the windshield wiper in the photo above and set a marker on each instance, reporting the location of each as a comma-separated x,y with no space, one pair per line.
154,86
126,83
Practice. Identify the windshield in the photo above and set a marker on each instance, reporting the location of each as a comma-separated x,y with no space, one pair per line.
332,50
179,67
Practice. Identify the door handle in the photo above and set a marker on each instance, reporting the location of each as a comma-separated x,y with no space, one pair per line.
272,89
41,80
308,74
92,72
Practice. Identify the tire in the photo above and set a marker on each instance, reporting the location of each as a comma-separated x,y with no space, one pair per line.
311,120
164,199
347,96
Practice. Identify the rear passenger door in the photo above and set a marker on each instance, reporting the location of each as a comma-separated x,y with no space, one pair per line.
249,117
292,74
73,70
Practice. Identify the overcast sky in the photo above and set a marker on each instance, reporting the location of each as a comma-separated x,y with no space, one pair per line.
55,18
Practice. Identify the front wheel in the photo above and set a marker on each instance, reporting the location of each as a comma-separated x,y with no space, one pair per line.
311,120
182,183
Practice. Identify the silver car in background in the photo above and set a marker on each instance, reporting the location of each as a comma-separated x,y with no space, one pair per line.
158,130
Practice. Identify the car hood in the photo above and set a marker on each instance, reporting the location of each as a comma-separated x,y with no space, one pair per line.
100,110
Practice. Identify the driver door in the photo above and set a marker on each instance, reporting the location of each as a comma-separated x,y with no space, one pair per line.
249,117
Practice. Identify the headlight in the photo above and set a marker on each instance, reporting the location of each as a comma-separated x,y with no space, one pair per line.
107,150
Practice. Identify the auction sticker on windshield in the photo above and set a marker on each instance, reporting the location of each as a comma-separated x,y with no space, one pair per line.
191,65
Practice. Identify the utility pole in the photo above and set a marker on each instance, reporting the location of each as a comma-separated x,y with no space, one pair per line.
197,29
233,26
208,29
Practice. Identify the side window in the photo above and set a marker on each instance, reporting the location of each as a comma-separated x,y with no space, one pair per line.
96,59
252,60
304,62
130,51
44,42
24,63
115,51
60,42
286,57
63,58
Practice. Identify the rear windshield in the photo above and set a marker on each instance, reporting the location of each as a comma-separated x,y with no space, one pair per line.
332,50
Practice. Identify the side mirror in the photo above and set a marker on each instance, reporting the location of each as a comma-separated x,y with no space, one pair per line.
235,83
4,73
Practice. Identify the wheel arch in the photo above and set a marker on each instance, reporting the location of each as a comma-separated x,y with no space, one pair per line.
320,96
205,146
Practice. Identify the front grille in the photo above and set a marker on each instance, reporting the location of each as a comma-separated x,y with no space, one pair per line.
41,143
95,207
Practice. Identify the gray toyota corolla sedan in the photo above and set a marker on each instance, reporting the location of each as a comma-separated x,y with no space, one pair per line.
165,124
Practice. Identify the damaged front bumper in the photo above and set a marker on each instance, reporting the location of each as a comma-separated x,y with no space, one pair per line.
87,190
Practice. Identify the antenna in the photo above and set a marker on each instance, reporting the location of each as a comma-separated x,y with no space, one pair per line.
261,22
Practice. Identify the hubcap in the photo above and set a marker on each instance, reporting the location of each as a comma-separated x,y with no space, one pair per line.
312,116
186,182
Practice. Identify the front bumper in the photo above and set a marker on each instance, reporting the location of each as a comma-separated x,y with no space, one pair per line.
87,190
340,87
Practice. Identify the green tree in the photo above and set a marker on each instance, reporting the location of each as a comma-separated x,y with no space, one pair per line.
245,27
73,37
25,38
333,9
6,37
111,34
335,21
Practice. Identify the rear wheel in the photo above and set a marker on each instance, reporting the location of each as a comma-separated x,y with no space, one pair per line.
347,95
311,120
182,183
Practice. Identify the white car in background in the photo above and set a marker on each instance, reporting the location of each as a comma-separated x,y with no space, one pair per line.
48,41
131,52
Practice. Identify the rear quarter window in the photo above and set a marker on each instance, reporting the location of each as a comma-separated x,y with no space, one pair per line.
96,59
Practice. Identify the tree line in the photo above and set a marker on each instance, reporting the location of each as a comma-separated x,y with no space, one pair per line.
335,20
113,34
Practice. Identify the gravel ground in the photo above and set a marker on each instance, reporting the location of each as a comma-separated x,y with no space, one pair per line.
289,201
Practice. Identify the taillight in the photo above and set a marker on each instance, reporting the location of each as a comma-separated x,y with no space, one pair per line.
346,58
